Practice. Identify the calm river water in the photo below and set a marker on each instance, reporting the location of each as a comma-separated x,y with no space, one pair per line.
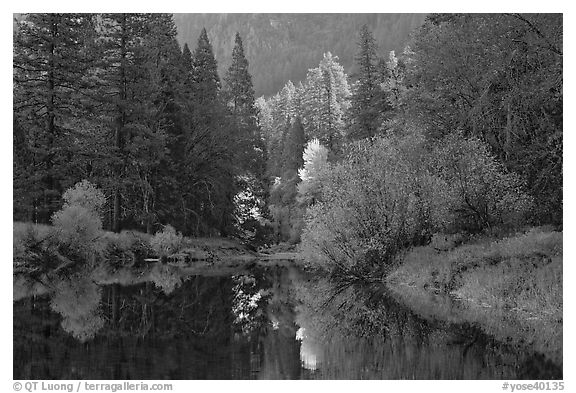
265,323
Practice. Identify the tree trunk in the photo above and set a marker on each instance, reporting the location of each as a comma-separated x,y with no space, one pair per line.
120,123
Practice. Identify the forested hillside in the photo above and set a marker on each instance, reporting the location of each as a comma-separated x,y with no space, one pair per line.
114,99
283,47
462,131
472,107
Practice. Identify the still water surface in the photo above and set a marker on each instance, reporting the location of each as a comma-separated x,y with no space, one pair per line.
266,323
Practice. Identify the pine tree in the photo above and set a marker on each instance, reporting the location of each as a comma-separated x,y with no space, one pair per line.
238,89
287,215
363,116
326,97
286,103
160,124
187,59
205,79
207,199
331,115
312,103
341,88
250,157
122,77
51,61
293,148
238,93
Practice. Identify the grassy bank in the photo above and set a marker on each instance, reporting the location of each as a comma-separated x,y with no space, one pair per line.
46,248
521,273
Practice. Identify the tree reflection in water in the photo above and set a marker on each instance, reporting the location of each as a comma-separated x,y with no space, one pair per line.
273,322
364,333
77,300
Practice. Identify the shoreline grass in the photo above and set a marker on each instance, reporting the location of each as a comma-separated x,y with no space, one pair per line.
44,247
522,272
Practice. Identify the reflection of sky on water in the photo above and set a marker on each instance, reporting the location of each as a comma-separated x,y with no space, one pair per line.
310,350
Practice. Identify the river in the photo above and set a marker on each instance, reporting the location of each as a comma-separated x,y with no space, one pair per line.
267,322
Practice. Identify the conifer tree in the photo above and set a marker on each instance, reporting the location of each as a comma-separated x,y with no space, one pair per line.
122,78
239,95
286,102
363,116
205,79
187,59
295,141
326,97
331,115
208,196
250,151
161,125
51,61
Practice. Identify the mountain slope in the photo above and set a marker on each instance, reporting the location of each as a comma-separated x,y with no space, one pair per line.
280,47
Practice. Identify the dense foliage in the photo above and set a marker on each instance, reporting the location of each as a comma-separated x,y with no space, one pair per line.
460,133
395,192
497,77
78,225
111,98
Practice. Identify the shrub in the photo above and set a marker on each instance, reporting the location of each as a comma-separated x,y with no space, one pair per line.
376,202
28,242
396,191
167,241
78,225
85,194
482,193
78,228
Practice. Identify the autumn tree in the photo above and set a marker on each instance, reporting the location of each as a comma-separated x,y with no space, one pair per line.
326,98
311,174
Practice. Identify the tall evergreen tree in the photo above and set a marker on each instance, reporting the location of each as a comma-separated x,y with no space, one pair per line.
238,93
326,97
286,103
287,215
205,79
51,61
331,116
161,124
207,198
122,78
186,58
364,113
250,151
294,143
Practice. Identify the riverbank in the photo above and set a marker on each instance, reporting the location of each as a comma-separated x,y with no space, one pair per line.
41,254
43,249
511,287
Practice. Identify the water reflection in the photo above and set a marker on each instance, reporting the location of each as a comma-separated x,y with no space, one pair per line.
77,300
268,323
